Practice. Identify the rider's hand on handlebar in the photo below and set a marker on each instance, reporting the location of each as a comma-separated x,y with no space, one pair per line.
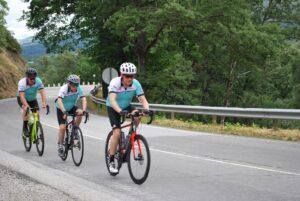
123,113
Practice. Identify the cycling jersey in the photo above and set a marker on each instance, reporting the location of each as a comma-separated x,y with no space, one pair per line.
30,91
124,94
69,98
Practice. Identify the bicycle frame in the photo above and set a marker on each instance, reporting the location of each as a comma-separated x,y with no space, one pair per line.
132,134
33,132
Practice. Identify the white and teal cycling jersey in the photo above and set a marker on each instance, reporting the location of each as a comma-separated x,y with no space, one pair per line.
124,95
30,91
69,98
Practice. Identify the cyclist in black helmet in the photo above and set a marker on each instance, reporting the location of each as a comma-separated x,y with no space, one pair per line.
27,93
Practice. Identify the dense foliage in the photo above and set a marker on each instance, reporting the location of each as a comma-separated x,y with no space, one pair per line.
241,53
7,41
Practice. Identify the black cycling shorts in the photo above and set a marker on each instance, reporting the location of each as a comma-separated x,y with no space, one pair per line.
60,114
115,118
32,104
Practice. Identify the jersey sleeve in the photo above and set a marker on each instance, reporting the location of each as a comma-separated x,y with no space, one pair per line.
139,90
21,86
80,92
61,93
113,86
39,83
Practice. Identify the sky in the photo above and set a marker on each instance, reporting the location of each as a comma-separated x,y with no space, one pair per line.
18,28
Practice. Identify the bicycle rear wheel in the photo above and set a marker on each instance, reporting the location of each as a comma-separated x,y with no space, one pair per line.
139,160
40,141
26,138
77,146
118,160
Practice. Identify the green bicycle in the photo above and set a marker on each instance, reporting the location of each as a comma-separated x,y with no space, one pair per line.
34,134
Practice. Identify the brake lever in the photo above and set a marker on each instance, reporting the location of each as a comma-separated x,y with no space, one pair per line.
86,117
48,109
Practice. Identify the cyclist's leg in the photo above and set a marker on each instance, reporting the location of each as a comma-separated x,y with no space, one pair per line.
114,119
74,110
24,116
62,126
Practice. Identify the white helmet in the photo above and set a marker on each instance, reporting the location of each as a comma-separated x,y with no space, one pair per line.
73,79
128,68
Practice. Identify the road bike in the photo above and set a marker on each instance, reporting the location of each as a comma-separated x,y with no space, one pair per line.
33,133
132,149
74,139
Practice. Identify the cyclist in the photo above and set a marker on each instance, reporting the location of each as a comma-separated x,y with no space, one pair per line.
66,103
27,92
121,92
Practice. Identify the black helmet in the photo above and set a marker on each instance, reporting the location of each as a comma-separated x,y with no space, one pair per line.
31,72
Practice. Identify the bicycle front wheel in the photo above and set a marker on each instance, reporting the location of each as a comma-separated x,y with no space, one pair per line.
26,138
77,145
139,160
40,140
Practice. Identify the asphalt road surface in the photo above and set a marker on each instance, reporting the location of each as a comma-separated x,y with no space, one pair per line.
185,165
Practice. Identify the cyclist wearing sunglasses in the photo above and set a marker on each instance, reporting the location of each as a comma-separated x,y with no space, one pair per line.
121,92
66,103
27,93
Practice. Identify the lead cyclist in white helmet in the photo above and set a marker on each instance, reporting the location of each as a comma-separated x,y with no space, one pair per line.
121,91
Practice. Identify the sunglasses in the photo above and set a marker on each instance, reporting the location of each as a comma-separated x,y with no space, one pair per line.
128,76
31,78
74,84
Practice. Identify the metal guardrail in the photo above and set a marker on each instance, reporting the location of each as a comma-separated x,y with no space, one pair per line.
261,113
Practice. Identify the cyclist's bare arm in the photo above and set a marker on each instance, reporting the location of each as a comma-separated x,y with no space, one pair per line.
23,100
84,106
143,100
61,104
113,102
43,96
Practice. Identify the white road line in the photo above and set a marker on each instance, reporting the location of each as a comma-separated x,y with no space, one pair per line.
267,169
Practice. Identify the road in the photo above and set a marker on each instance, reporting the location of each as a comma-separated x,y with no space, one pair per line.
185,165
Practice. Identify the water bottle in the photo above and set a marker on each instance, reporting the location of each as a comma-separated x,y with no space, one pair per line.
31,119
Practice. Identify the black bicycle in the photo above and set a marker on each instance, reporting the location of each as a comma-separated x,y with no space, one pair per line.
74,139
33,133
132,148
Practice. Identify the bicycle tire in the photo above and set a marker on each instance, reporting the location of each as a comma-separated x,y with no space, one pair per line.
130,168
81,144
26,139
119,160
40,139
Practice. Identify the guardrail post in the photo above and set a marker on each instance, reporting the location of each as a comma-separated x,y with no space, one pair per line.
58,84
88,83
172,115
275,124
214,119
53,85
48,85
83,83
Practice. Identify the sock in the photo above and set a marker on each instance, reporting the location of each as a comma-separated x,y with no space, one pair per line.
111,158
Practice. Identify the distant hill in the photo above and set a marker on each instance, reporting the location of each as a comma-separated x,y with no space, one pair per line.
31,49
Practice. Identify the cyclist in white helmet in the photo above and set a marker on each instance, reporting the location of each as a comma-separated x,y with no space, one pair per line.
121,92
66,103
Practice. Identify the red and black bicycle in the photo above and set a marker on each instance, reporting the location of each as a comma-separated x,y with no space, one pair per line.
132,148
